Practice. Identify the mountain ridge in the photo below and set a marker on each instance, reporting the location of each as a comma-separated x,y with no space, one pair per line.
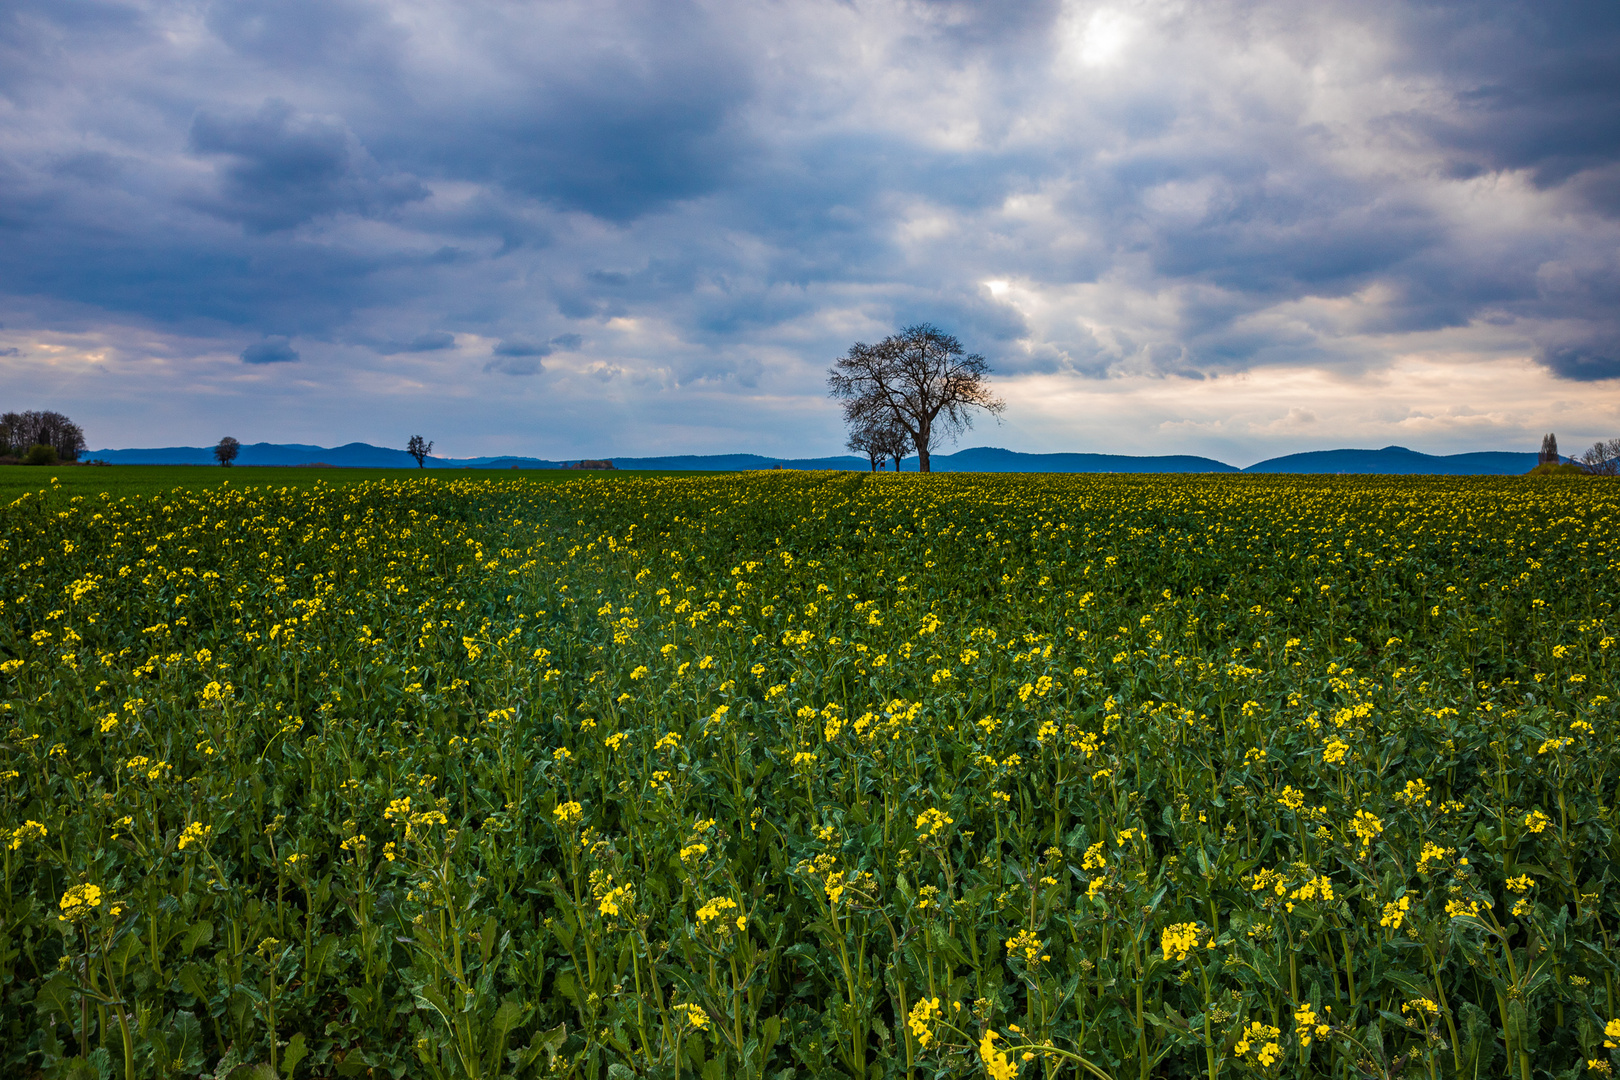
1389,460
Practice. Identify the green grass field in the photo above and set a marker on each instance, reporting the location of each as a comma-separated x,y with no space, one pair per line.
151,479
600,775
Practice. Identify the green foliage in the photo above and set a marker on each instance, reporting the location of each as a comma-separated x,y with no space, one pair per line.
40,454
1563,468
809,775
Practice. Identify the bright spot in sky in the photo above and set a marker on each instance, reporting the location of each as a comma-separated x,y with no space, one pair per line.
1107,33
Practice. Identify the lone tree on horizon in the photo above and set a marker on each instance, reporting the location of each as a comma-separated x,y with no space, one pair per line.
226,451
919,380
1549,451
419,450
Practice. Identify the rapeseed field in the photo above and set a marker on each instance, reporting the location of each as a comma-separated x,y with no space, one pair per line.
811,775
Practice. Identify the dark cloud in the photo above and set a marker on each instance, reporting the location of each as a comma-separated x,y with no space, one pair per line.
521,347
433,341
515,365
1585,362
284,169
1535,86
272,350
521,356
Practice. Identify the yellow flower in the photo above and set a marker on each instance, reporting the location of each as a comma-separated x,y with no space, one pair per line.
568,813
1291,798
1179,940
1026,945
613,898
1367,828
1395,912
922,1016
1306,1025
999,1065
932,822
714,909
28,830
1268,1051
1536,821
1461,909
195,833
77,903
694,1016
1416,793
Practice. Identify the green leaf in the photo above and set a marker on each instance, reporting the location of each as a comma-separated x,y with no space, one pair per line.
293,1055
193,982
508,1016
57,995
185,1042
252,1072
201,933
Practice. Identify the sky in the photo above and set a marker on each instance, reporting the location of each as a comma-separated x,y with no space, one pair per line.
585,229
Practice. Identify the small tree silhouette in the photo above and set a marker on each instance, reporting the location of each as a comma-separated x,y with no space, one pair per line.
419,450
1549,451
226,451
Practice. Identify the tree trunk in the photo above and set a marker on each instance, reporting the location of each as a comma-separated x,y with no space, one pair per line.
922,460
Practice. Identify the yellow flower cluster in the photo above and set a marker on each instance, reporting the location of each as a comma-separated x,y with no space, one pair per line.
1309,1025
932,822
998,1064
1027,947
921,1020
1259,1043
1178,940
79,902
195,833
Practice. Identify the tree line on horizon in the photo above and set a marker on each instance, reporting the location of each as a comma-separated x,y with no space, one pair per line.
901,395
40,438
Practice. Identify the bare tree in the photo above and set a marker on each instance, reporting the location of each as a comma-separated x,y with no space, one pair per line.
419,450
919,380
880,442
895,442
864,440
226,451
1603,459
20,431
1549,451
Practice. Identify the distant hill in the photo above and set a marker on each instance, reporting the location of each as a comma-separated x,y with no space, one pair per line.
354,455
1396,460
988,459
994,459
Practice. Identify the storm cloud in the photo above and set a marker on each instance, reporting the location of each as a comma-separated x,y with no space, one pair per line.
678,213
